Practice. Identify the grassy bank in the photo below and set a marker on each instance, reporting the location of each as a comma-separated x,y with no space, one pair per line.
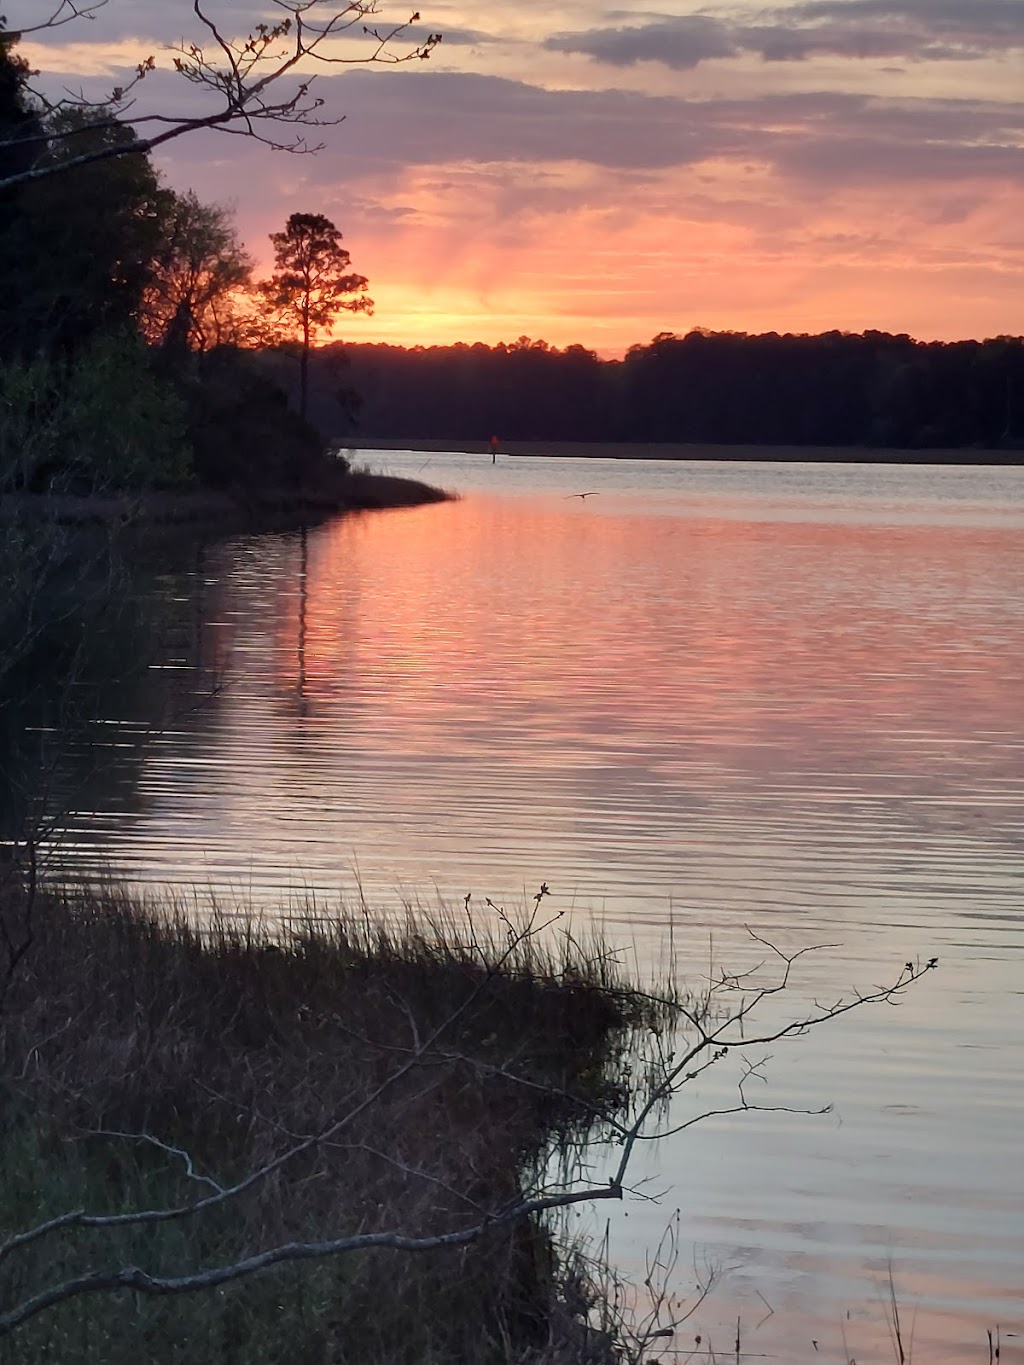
349,491
353,1081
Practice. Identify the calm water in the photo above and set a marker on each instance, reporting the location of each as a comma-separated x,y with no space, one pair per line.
706,698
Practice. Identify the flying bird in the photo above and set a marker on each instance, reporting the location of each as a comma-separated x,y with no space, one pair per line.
593,493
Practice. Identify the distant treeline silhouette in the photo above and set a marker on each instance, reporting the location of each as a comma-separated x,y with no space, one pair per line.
835,389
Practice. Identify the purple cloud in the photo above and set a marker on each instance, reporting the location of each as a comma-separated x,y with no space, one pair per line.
681,43
433,118
909,30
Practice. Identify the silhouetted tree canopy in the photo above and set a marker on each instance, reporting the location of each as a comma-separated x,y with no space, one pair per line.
18,119
312,283
873,390
79,250
198,267
117,296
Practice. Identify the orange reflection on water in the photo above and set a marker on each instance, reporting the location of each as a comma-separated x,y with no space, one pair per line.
482,623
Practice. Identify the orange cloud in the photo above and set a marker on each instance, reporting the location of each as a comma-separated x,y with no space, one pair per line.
937,264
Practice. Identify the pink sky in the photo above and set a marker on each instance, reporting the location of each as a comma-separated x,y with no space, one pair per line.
598,174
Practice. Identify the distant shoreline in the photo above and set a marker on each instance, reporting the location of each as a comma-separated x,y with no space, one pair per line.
628,450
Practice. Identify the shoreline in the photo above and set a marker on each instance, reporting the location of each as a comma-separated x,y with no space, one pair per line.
357,492
740,454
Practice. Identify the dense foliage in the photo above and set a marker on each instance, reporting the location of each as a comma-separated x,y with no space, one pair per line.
837,389
123,313
97,417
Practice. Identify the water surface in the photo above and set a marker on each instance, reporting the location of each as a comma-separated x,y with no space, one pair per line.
707,698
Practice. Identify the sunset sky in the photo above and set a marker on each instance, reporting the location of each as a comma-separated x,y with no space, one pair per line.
599,173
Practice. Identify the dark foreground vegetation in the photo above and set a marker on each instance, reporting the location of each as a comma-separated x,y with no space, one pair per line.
353,1081
335,1142
872,390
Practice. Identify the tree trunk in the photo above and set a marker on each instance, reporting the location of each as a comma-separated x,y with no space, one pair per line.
304,371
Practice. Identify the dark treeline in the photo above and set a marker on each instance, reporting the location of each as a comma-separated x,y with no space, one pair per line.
836,389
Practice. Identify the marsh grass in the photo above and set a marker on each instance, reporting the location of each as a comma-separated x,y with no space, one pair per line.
130,1032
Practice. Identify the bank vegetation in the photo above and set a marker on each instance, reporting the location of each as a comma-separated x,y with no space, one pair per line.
334,1139
134,336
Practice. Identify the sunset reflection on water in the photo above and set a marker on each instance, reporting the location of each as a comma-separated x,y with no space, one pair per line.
624,673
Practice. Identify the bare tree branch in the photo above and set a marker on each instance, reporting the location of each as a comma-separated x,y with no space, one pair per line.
134,1278
167,1147
255,79
65,13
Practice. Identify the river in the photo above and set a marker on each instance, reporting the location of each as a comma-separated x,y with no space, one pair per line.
703,700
